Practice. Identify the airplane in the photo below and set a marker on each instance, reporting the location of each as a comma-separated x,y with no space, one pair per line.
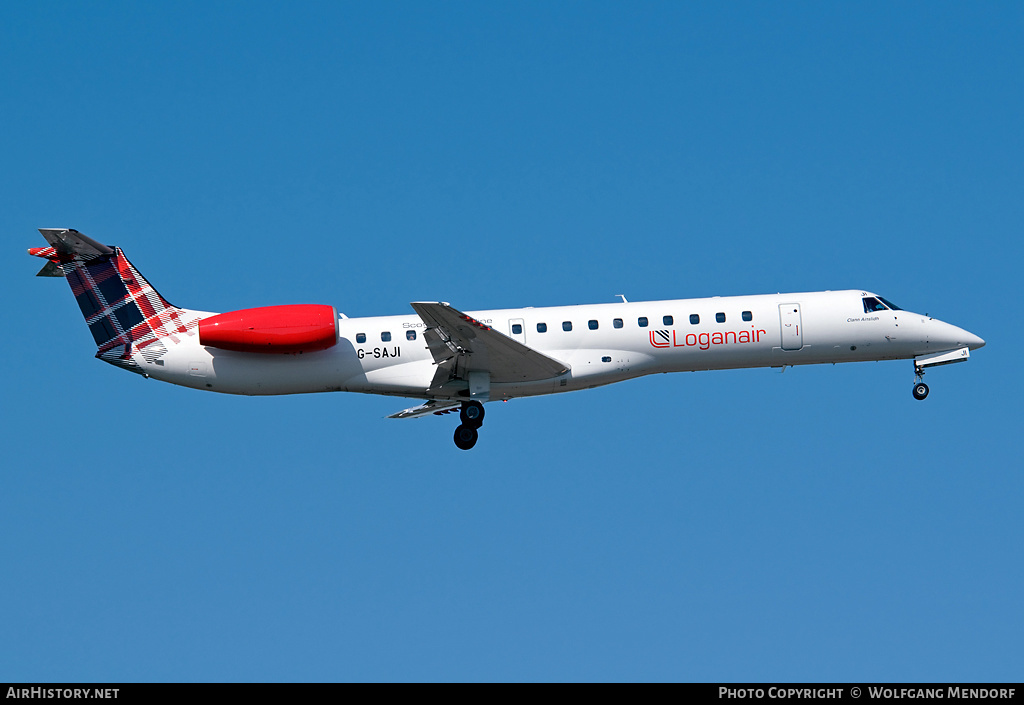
456,361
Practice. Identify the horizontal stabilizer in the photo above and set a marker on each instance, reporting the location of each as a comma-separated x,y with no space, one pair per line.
50,269
68,241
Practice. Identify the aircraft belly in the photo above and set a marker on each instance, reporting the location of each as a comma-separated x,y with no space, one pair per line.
241,373
407,379
715,357
193,365
524,389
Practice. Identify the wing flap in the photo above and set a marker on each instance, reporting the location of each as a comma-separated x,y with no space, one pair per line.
50,269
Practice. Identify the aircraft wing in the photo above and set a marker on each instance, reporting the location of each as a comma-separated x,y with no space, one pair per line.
430,407
461,344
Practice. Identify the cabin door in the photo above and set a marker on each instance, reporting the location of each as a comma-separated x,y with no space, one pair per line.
792,326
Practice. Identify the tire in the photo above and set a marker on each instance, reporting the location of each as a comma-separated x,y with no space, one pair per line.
465,437
920,391
472,414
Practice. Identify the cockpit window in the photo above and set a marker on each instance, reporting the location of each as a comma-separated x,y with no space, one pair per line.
872,304
877,303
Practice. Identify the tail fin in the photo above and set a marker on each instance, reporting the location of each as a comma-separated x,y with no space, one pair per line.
125,314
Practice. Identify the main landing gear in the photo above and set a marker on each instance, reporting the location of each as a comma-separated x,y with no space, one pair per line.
472,417
920,388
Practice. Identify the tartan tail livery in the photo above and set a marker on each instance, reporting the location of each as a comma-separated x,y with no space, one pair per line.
130,322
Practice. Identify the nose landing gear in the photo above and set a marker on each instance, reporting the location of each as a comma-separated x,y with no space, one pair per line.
932,360
472,417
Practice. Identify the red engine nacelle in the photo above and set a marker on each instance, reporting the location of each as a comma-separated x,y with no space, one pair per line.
272,329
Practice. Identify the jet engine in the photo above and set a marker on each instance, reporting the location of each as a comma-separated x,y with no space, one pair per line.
297,328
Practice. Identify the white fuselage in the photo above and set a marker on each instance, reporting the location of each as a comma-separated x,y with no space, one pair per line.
603,343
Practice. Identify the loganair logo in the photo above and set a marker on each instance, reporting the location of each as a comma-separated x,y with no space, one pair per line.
660,339
704,341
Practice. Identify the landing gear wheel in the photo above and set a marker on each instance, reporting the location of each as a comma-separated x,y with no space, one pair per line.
920,390
472,414
465,437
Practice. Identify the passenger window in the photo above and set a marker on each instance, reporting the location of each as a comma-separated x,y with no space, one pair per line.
360,337
517,329
720,317
542,327
592,325
871,304
566,325
642,321
748,316
694,318
617,323
667,320
410,335
385,337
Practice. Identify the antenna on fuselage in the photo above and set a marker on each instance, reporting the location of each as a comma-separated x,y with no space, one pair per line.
623,298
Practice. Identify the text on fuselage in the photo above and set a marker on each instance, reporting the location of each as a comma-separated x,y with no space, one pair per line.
674,339
379,352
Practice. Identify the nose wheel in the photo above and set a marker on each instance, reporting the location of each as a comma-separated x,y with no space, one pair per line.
920,388
472,417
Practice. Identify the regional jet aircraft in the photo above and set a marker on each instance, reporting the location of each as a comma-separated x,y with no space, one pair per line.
456,361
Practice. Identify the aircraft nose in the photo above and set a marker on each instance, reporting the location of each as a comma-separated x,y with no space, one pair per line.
949,336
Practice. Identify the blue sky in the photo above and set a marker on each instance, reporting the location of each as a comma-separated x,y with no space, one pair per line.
755,526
